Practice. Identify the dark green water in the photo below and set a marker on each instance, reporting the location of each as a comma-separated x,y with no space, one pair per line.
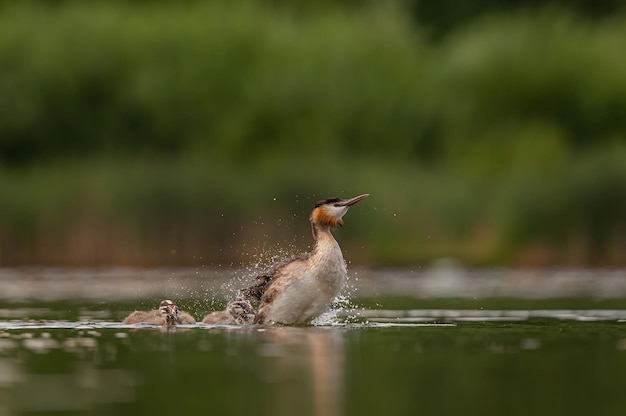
384,362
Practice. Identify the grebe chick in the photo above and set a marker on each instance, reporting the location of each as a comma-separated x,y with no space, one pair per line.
299,290
238,311
167,314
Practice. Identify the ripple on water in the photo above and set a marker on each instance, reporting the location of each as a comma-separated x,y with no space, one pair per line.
461,315
341,317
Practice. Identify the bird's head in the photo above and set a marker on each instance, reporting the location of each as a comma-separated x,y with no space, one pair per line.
329,212
169,311
239,307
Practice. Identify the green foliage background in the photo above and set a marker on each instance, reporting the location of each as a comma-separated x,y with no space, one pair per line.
156,132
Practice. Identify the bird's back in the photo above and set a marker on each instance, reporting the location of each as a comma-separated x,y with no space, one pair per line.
264,281
150,317
219,317
183,318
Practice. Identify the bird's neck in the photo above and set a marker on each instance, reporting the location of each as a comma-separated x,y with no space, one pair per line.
325,243
326,258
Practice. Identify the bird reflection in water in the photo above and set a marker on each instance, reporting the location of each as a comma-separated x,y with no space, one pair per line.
302,356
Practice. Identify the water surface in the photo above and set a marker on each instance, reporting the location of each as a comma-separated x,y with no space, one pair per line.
390,354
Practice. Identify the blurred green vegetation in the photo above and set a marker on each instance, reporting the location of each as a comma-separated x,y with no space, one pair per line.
203,132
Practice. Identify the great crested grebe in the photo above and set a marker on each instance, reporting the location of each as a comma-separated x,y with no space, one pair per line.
299,290
238,311
167,314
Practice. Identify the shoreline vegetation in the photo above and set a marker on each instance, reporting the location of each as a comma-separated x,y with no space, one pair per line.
146,133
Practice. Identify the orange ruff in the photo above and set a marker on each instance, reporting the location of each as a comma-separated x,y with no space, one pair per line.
320,216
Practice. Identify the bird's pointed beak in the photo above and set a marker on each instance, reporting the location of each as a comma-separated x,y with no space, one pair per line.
352,201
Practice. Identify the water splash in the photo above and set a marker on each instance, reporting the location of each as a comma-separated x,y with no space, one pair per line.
259,262
343,311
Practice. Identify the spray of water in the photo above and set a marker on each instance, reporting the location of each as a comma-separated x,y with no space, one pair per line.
343,310
210,296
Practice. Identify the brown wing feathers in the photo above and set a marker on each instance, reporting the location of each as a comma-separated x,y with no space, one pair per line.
258,288
264,281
